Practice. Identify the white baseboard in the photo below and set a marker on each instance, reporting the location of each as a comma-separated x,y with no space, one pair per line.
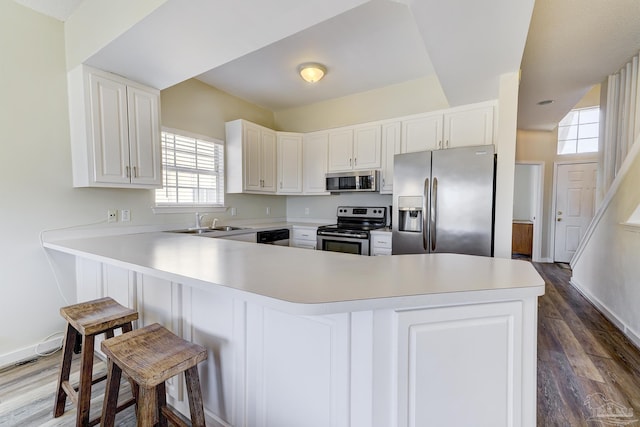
610,315
31,352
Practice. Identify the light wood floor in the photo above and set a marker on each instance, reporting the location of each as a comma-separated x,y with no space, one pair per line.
582,360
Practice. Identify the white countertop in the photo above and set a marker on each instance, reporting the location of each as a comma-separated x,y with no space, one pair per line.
302,281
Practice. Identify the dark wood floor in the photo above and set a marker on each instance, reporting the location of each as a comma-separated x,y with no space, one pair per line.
588,372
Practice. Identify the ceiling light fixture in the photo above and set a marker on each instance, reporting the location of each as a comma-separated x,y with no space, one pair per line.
312,71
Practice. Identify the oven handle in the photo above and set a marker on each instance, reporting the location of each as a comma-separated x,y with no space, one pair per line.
343,236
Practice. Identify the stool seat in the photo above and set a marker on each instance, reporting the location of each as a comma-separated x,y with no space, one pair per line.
87,320
149,356
95,317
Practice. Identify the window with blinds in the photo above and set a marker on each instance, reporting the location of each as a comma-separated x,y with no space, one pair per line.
578,131
193,171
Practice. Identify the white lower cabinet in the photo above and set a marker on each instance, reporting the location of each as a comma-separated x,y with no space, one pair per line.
304,237
380,243
297,369
455,365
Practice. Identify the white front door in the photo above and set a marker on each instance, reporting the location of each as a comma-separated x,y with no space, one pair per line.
575,205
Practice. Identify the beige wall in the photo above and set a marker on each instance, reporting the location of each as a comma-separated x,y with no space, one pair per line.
541,146
199,108
412,97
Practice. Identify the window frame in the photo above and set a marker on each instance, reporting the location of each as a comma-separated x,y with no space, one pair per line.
577,138
192,207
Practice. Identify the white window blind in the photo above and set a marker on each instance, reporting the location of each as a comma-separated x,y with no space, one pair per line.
193,171
578,131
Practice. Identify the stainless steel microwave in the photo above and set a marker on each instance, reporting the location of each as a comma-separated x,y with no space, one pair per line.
365,180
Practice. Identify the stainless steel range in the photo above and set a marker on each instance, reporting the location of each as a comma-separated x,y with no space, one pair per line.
351,233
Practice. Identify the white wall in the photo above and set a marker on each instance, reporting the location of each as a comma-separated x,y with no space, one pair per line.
607,270
323,208
95,23
524,192
35,177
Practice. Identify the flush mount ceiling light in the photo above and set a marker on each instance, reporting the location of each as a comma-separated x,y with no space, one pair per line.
546,102
311,71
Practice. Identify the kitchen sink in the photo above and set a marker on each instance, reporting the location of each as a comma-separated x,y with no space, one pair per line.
207,229
192,231
226,228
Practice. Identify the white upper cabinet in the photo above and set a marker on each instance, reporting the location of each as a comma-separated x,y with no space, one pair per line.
354,148
367,147
457,127
115,131
289,163
391,145
422,133
257,164
314,162
340,150
251,158
469,126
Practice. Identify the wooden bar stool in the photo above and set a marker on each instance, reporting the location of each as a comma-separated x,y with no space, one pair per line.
87,320
150,356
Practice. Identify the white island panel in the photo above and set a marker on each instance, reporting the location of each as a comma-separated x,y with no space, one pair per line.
298,337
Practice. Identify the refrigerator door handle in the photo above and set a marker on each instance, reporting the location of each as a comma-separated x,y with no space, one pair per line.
425,196
434,213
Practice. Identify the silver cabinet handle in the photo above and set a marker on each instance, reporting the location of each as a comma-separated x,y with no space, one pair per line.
434,213
425,197
355,161
127,172
135,171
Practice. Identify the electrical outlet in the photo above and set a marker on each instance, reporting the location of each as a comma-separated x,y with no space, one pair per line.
268,211
234,212
112,215
125,215
306,211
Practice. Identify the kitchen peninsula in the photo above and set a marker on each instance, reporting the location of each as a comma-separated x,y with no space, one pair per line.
311,338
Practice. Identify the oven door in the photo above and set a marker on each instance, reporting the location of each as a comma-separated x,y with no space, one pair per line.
344,244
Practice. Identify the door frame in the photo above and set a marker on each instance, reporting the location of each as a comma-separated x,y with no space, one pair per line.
536,254
552,215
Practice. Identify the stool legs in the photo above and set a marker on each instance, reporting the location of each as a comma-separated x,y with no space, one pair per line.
152,402
195,396
80,396
65,369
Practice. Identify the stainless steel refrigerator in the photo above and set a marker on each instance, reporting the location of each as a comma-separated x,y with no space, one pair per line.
443,201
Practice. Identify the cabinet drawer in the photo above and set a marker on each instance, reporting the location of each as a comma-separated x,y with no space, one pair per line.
381,240
304,234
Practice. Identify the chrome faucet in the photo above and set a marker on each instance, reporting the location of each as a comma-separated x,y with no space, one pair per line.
199,220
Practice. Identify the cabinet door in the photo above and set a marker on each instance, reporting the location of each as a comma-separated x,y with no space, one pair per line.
144,137
468,127
289,163
268,160
109,129
341,150
366,147
252,158
314,162
476,350
390,147
422,134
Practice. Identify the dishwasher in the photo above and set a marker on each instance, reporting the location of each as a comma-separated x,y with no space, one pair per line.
278,237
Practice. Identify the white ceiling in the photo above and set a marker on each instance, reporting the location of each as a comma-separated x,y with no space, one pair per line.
374,45
251,48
